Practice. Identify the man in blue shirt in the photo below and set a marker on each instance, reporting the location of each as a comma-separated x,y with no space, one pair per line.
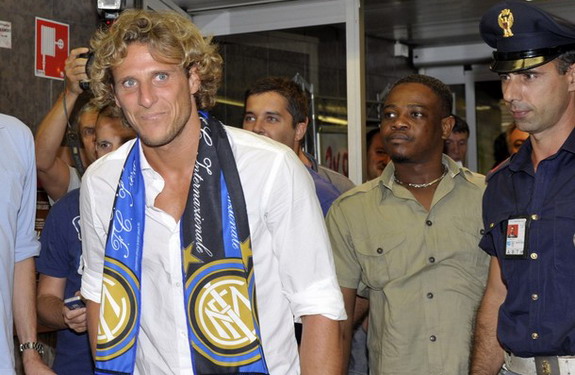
276,107
18,246
59,261
526,321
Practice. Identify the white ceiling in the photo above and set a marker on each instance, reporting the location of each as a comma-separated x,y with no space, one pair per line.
419,23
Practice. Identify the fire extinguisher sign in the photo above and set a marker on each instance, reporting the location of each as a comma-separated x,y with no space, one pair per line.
52,48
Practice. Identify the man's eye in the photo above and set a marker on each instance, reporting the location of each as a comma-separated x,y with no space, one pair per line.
272,119
162,76
249,118
88,132
129,83
104,145
416,114
388,115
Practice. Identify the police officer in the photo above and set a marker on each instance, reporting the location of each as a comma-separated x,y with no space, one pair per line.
526,320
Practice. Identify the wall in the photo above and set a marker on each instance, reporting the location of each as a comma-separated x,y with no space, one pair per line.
22,94
316,53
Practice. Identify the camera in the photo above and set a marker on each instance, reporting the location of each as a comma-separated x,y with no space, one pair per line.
85,85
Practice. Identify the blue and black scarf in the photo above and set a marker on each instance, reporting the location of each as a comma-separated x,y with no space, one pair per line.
218,274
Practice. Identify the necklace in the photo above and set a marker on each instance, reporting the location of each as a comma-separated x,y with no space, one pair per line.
424,185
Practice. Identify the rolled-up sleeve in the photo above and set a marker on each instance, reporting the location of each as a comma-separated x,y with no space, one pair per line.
301,243
27,244
93,242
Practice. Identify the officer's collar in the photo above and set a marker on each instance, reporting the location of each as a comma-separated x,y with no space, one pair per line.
522,160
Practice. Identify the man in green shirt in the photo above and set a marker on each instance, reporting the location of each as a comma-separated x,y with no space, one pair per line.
411,236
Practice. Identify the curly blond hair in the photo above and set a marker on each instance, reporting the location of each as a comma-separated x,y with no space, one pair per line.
171,38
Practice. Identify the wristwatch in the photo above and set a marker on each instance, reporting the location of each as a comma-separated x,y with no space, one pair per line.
32,345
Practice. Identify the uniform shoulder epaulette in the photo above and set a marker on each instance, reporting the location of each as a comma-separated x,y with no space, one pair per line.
358,190
501,166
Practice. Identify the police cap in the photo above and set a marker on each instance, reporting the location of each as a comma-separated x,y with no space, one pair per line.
524,36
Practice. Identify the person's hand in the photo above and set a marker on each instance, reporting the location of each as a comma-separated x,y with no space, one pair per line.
75,69
33,364
75,319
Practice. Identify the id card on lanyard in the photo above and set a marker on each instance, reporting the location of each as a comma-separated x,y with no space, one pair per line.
516,235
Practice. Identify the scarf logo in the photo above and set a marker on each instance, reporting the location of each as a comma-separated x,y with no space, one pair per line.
223,326
117,318
217,267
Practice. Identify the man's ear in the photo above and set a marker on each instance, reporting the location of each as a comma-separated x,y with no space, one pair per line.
447,124
194,80
300,129
571,77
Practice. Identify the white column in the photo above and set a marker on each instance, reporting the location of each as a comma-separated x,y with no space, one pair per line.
356,112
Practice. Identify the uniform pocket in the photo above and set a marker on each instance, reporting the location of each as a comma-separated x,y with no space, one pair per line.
381,258
564,234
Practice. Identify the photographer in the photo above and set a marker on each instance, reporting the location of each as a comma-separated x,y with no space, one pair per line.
55,174
59,261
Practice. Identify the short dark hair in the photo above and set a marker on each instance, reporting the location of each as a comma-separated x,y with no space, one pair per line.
369,137
564,61
291,91
460,125
439,88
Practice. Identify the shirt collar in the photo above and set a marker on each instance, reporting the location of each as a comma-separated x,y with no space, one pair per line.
144,164
453,169
569,144
521,161
312,160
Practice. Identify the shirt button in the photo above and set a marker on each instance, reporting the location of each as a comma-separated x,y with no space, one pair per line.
534,256
482,232
429,223
534,297
178,284
534,217
432,338
430,295
431,260
491,225
534,335
379,250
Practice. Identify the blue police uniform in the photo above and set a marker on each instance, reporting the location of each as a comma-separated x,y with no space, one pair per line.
537,316
536,323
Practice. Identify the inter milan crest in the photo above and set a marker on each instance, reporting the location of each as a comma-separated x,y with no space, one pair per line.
223,327
118,313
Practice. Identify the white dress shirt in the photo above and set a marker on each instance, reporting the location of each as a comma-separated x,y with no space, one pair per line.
293,263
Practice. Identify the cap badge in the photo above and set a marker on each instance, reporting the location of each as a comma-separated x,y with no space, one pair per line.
505,21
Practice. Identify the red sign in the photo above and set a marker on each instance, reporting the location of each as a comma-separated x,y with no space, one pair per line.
52,48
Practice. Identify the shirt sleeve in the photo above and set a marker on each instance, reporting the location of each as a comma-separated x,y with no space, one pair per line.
93,243
27,244
491,225
301,244
347,267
